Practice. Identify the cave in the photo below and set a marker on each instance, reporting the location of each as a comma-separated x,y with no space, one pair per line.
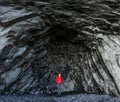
76,38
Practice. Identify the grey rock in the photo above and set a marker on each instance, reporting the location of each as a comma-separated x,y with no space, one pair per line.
78,38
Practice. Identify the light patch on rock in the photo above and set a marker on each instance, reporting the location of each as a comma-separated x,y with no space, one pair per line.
4,9
68,85
13,14
3,39
11,75
20,51
99,35
111,47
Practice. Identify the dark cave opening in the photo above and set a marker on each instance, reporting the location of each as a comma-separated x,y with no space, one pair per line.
63,57
60,34
65,54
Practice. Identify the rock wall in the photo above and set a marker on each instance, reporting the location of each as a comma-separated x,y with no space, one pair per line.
78,38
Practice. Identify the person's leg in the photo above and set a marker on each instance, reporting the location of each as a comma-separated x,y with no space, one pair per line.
58,89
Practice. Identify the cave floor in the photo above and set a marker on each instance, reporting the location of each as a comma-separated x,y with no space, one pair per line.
63,98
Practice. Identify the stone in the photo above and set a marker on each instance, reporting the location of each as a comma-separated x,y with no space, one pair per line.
14,16
80,39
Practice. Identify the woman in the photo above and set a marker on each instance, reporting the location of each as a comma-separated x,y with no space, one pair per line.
59,81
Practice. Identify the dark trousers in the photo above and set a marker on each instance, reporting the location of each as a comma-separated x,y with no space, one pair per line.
59,89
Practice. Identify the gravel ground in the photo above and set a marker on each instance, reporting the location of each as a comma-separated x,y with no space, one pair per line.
63,98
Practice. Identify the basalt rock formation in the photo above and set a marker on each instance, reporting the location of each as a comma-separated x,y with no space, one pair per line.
79,38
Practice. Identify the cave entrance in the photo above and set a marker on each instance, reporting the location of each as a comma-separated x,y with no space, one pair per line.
60,34
63,57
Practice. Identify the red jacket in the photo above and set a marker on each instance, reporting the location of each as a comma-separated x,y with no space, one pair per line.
58,79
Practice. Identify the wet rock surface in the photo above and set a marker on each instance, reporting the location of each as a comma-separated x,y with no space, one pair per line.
78,38
63,98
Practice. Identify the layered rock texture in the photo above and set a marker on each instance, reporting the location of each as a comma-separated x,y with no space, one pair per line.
78,38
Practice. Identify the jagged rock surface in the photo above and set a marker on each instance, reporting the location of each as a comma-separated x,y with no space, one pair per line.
78,38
